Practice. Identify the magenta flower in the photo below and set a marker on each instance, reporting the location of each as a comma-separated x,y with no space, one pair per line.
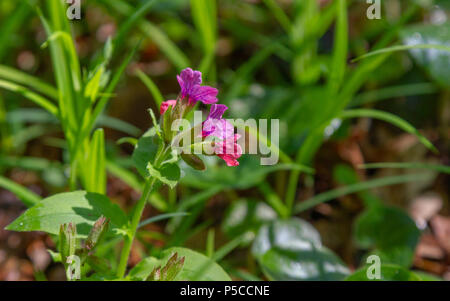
229,150
215,125
166,104
190,84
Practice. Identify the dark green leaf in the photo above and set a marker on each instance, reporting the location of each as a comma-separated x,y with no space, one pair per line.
292,250
436,62
391,231
145,151
80,208
388,273
246,215
168,173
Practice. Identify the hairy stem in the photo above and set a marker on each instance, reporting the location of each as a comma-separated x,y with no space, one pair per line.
133,227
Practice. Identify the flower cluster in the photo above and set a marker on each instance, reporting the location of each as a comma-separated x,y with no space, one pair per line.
225,144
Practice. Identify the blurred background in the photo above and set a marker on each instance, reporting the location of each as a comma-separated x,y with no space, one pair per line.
269,59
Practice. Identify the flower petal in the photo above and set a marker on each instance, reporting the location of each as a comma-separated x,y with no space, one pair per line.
229,150
188,79
217,111
205,94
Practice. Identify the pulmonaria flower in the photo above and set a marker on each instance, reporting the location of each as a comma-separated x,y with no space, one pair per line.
191,92
215,125
190,84
229,150
223,140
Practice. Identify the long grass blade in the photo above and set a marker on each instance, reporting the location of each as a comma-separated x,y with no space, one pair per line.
391,118
338,192
408,165
28,197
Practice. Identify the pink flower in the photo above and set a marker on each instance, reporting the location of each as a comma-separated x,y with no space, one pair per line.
190,84
165,105
229,150
215,125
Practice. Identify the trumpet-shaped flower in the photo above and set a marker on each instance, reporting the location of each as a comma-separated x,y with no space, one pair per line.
190,84
215,125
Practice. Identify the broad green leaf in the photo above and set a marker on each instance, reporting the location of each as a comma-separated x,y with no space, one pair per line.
168,173
197,267
145,151
143,269
391,231
387,272
80,208
435,61
246,215
292,250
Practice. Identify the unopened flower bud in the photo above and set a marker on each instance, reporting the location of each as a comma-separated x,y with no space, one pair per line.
97,232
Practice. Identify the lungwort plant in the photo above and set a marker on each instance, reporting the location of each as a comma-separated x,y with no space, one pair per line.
87,214
294,65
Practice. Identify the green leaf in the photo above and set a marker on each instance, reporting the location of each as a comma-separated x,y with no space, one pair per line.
391,231
388,273
292,250
95,165
168,173
80,208
339,59
143,269
197,267
435,60
145,151
246,216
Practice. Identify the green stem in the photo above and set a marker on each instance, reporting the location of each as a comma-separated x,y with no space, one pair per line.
133,227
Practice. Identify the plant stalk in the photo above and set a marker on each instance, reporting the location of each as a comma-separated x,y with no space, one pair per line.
133,227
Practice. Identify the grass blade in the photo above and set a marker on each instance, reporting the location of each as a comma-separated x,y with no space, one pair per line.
23,78
28,197
391,118
409,165
338,192
402,48
36,98
151,86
